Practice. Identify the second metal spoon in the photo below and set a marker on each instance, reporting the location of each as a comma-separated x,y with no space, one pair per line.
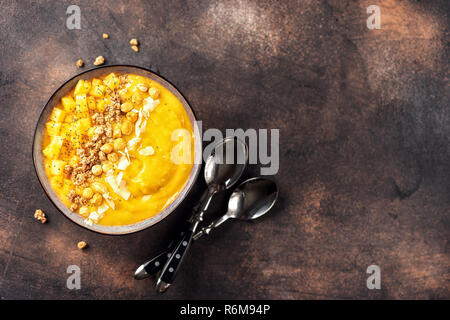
251,199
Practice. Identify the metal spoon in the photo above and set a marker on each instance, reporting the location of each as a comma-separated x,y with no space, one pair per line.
223,169
250,200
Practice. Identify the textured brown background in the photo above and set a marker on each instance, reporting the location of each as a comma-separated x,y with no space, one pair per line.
364,145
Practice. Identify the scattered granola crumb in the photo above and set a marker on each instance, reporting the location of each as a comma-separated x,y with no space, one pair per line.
40,215
135,48
105,36
134,42
81,245
80,63
99,60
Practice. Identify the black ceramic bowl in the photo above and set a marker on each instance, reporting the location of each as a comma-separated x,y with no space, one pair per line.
39,161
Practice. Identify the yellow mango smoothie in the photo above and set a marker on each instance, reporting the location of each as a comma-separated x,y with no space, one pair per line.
112,149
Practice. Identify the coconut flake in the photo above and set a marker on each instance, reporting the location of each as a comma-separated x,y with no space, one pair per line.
132,143
140,125
123,163
109,200
112,182
123,190
149,105
102,209
142,87
94,216
119,178
147,151
118,185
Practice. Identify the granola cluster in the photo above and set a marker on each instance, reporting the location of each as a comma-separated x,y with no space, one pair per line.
40,215
81,245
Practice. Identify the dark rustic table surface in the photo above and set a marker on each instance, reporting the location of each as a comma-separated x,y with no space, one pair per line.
364,125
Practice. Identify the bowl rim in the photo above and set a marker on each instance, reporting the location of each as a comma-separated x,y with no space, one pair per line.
109,230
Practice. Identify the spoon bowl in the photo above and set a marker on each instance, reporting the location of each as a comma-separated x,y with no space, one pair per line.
252,199
226,163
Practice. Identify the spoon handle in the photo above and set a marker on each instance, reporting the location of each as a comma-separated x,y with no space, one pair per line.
155,264
174,262
152,266
176,258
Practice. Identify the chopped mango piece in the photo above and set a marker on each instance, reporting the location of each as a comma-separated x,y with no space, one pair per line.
82,110
101,106
85,123
82,125
79,136
53,128
57,167
112,81
82,87
66,129
53,148
57,115
77,140
68,103
97,88
57,182
91,103
78,87
67,186
66,149
69,118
